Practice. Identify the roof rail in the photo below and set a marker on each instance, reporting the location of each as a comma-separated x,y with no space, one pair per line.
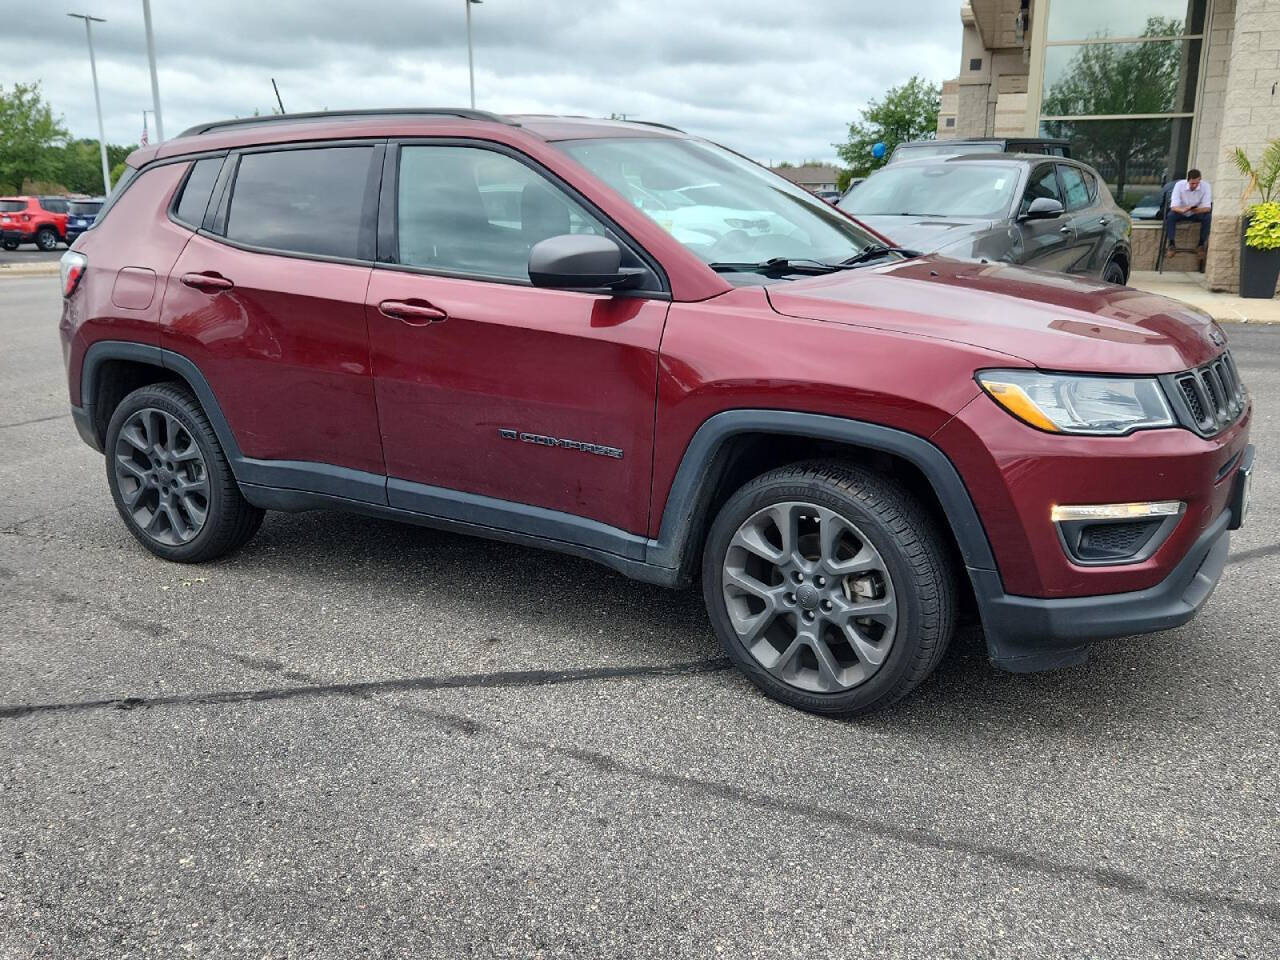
461,112
654,123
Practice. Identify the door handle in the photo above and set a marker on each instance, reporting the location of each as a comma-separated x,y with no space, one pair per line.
207,282
1104,220
1064,229
416,314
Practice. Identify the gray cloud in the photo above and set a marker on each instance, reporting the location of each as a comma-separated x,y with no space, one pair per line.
776,81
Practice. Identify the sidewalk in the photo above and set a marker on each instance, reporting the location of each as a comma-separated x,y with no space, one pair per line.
1189,288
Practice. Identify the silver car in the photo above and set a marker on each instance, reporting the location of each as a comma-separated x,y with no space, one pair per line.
1054,214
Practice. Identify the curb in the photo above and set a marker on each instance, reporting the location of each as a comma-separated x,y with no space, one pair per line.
29,269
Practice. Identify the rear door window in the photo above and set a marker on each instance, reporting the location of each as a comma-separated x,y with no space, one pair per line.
302,201
1074,186
54,204
195,194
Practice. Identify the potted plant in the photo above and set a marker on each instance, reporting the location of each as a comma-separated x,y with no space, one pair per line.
1260,226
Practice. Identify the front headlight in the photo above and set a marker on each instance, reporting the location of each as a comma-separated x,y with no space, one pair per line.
1066,403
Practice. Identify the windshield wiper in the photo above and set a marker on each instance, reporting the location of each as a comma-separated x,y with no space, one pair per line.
778,266
874,251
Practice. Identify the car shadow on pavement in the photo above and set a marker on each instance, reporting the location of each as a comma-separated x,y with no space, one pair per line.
394,560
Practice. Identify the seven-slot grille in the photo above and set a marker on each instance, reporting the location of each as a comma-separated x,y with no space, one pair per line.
1212,395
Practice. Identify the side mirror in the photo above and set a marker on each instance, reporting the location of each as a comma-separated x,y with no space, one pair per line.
581,261
1043,208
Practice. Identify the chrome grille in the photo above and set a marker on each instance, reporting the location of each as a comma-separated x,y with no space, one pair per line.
1212,395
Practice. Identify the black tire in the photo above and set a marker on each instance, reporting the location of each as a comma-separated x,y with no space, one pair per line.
11,244
47,238
904,537
229,520
1114,273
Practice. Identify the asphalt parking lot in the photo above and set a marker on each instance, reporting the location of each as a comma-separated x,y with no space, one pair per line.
28,253
355,739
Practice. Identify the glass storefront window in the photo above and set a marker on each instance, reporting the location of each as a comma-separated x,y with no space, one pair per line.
1134,157
1092,19
1120,78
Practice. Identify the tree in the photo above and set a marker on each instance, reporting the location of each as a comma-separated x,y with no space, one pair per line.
1120,79
907,112
28,129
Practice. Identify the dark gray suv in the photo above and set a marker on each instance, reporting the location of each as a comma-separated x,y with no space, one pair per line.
1054,214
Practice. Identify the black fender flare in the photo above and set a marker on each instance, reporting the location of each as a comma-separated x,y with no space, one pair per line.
689,488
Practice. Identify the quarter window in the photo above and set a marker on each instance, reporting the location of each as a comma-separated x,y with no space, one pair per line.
301,201
54,204
195,195
478,212
1073,185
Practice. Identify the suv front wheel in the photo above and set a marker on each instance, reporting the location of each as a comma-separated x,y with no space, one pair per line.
170,478
829,587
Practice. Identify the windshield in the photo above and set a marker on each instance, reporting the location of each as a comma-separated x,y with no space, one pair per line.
942,148
12,206
719,205
85,207
981,190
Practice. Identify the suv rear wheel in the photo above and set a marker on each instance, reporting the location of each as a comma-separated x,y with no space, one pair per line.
829,587
46,238
170,478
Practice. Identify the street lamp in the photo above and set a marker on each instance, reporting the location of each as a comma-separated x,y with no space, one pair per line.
93,68
471,63
151,61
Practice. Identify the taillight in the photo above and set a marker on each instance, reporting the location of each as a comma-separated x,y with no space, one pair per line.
72,267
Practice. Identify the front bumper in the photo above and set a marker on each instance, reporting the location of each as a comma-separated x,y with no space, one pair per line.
1033,633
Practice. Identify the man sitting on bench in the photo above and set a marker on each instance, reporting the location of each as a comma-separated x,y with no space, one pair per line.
1191,199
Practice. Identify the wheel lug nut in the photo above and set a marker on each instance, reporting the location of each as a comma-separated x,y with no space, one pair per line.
821,581
826,604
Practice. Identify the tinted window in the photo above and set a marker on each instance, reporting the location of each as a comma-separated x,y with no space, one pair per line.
85,208
195,195
12,206
1074,187
54,204
304,201
1044,183
472,211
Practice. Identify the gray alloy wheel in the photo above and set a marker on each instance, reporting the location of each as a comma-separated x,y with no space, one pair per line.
46,239
162,477
809,597
11,244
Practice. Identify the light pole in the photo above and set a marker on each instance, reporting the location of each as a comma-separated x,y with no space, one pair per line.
151,61
471,62
93,68
146,137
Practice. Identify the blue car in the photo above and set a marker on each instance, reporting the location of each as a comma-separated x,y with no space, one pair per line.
81,217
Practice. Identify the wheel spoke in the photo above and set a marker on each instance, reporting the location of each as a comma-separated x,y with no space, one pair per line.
780,665
194,511
871,653
187,487
828,668
787,519
126,463
752,539
748,584
136,437
864,561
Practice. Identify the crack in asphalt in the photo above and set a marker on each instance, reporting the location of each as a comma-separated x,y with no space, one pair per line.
24,423
511,678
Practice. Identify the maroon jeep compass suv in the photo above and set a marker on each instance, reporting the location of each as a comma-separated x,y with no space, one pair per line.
627,344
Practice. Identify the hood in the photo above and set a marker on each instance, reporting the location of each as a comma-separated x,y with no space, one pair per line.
1050,320
925,234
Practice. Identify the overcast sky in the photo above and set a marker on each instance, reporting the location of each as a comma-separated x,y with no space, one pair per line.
776,80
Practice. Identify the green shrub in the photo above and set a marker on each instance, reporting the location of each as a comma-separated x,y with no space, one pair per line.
1263,232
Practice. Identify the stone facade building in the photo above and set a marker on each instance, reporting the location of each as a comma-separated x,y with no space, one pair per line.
1143,89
